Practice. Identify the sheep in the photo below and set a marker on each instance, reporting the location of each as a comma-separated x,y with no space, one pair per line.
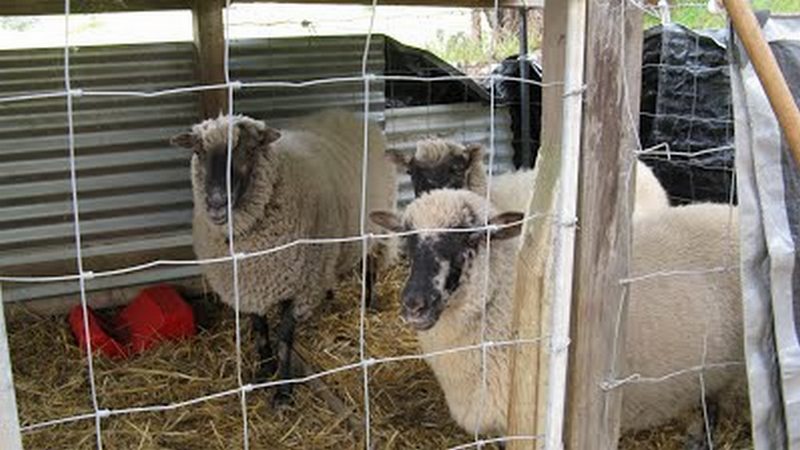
300,182
650,196
441,163
668,317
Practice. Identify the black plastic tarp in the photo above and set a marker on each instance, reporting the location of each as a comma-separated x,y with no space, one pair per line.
508,91
686,114
403,60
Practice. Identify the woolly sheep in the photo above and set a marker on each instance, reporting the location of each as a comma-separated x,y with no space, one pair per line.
441,163
668,316
300,182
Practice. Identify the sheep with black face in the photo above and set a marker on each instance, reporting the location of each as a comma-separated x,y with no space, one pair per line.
442,163
296,183
670,319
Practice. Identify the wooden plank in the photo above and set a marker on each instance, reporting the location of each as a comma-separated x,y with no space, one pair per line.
442,3
209,42
527,407
40,7
604,238
10,437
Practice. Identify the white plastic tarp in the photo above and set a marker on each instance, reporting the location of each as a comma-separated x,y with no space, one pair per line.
769,199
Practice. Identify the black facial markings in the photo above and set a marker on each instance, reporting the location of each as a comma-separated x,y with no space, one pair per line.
449,173
216,161
457,249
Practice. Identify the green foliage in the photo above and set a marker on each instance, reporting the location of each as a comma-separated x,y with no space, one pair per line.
693,13
17,23
464,51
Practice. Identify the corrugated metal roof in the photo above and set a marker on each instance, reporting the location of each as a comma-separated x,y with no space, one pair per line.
134,189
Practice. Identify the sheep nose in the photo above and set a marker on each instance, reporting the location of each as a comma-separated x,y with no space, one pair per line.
216,200
413,305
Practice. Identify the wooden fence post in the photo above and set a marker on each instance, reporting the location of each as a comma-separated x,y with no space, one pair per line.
209,43
10,437
610,122
527,407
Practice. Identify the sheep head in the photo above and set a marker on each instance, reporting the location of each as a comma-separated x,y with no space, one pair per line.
438,164
209,142
441,261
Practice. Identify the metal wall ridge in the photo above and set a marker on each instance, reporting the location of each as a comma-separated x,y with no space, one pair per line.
134,188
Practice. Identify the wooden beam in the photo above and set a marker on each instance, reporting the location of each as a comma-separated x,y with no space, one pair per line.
612,76
527,404
441,3
43,7
10,437
209,43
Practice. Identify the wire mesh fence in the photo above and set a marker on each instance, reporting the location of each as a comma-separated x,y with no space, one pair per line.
363,352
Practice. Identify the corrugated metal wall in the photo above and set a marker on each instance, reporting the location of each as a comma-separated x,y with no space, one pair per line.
134,189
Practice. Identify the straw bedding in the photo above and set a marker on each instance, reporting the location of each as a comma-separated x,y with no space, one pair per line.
407,408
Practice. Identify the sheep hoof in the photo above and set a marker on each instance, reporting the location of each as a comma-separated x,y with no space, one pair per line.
267,371
693,443
698,437
373,305
282,399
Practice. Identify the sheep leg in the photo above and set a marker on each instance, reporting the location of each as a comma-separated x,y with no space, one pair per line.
283,392
698,436
267,365
370,279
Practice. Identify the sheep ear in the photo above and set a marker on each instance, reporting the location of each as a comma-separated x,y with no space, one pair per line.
474,152
387,220
270,135
258,131
510,223
400,158
184,140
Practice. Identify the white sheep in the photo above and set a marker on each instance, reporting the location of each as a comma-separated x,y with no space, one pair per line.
668,316
442,163
296,183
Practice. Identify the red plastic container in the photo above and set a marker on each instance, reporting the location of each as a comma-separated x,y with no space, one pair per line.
158,313
99,332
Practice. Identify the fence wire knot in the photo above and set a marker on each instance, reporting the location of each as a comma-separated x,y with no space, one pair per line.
613,384
560,346
577,91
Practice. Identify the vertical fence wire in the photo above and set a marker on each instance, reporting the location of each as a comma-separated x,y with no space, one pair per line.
231,235
73,179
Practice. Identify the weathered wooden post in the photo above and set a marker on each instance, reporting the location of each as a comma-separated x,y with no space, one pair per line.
610,123
10,437
209,43
527,409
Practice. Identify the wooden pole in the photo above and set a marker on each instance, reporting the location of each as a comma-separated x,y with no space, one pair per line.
768,71
10,437
209,43
527,405
564,242
612,76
